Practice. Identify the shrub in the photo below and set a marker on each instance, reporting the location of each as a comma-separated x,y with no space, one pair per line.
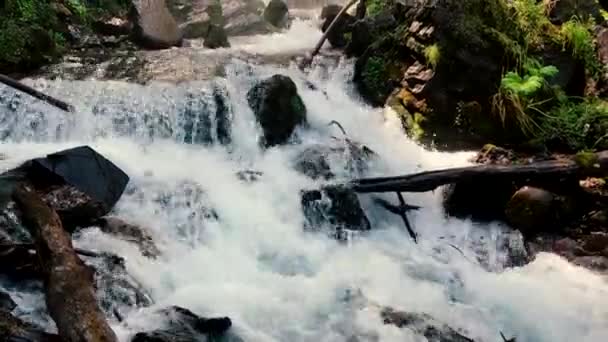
577,126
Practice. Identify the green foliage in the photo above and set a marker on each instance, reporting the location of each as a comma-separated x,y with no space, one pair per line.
375,73
577,126
27,33
432,55
374,7
578,36
518,96
78,8
531,18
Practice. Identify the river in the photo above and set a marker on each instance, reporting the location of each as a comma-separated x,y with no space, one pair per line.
251,260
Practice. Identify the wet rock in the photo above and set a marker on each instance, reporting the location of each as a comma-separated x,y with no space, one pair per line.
337,37
249,176
249,24
207,117
596,243
517,254
75,208
595,263
561,11
216,38
532,209
129,232
278,108
238,17
185,326
276,13
424,325
12,329
480,200
116,291
6,302
336,207
112,27
154,25
79,184
494,155
351,158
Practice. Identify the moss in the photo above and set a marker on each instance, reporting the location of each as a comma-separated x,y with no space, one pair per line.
432,55
586,160
579,38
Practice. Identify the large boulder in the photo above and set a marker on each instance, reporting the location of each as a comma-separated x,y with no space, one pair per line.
277,13
238,17
80,184
334,207
533,209
154,25
480,199
277,107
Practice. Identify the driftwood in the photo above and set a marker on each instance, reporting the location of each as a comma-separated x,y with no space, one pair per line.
534,173
35,93
308,59
70,297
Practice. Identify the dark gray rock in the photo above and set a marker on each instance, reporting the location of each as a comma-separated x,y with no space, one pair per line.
352,158
561,11
336,207
185,326
337,37
276,13
154,27
278,108
216,38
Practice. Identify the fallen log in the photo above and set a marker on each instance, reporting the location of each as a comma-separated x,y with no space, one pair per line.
35,93
68,282
543,172
308,59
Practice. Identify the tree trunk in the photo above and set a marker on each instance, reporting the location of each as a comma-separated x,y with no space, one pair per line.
70,296
35,93
544,172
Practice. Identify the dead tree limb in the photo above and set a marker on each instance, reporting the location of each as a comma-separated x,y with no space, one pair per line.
308,59
35,93
68,282
533,173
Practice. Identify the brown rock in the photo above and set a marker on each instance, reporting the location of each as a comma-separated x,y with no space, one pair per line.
154,25
131,233
531,209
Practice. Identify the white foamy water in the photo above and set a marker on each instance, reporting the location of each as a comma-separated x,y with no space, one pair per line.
254,263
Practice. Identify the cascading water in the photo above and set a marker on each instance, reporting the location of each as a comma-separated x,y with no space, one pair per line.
237,248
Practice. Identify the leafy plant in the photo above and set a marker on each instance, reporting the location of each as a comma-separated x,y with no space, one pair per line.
517,95
432,55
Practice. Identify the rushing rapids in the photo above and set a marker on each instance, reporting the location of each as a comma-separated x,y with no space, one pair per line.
237,248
